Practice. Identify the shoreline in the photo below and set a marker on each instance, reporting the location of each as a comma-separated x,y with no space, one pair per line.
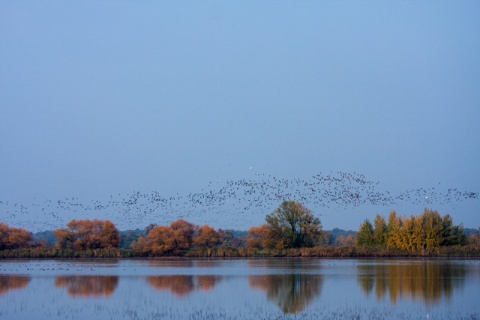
327,252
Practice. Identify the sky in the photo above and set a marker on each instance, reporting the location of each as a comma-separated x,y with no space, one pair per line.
107,101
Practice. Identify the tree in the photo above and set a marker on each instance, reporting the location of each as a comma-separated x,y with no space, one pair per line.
380,230
407,233
260,237
12,238
206,237
232,239
342,240
174,239
161,240
433,226
293,226
452,235
326,238
474,238
141,245
418,234
88,234
365,235
423,232
226,238
394,239
183,233
108,234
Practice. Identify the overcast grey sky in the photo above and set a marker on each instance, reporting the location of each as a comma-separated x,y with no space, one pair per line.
101,98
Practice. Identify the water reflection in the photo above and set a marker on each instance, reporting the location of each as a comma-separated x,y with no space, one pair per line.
293,285
428,282
182,285
86,286
171,263
290,292
11,282
288,265
242,289
207,282
185,263
179,285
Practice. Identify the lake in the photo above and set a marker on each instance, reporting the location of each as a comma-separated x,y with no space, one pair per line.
240,289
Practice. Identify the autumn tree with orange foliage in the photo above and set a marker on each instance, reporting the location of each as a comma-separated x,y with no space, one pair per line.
87,234
206,237
13,238
161,239
260,237
173,239
183,232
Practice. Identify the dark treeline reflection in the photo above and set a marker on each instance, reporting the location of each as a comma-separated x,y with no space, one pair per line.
171,263
86,286
290,292
427,282
11,282
287,265
185,263
182,285
293,287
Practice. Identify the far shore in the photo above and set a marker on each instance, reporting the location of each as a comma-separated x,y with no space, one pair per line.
352,252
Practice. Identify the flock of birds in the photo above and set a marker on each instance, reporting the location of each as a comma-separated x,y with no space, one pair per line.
233,203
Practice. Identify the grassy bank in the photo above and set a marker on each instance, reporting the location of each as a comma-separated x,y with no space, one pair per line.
316,252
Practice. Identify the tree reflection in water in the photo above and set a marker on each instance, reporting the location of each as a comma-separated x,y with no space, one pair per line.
294,265
171,263
179,285
207,282
85,286
291,292
10,282
296,283
427,281
182,285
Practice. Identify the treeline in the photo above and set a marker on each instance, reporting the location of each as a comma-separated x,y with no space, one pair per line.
424,232
179,238
290,230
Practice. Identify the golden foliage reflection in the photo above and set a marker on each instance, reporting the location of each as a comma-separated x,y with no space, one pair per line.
428,282
85,286
10,282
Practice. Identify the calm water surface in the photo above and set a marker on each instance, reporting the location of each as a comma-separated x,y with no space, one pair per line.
240,289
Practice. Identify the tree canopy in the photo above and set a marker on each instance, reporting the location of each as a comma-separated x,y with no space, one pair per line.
423,232
88,234
292,225
366,235
176,238
12,238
